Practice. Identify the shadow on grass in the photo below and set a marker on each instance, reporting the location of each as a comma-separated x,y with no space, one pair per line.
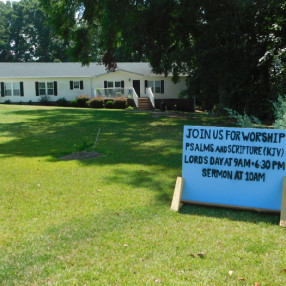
125,137
139,179
230,214
134,139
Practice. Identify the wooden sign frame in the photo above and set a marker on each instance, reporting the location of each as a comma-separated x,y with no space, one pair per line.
283,205
177,202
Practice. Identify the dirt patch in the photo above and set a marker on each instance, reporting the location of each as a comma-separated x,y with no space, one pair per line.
81,155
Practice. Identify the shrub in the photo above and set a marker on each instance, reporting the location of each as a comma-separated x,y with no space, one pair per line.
82,100
44,100
85,146
243,120
130,102
74,103
120,103
279,108
8,101
96,102
62,102
109,104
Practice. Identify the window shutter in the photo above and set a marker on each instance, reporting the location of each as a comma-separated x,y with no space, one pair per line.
21,88
2,89
105,84
37,88
55,88
71,85
122,84
81,84
162,86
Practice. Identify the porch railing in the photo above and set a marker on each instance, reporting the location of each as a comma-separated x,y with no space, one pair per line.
150,94
135,97
117,92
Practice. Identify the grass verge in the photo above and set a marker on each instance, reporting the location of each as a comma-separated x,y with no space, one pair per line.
106,221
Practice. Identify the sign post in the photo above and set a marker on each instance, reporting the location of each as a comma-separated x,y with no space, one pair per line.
176,202
233,167
283,205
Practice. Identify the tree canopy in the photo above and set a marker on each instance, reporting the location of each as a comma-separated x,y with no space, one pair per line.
232,51
26,35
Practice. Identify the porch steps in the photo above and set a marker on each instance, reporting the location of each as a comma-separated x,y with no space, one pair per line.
144,103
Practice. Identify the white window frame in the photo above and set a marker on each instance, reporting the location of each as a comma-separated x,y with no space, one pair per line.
12,88
114,86
8,91
110,84
46,88
117,86
50,88
16,89
42,88
155,86
76,84
158,87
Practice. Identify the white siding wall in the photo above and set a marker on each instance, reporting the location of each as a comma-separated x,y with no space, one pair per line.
128,78
171,90
63,85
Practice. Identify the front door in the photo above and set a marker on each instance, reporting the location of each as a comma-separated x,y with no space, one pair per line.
136,86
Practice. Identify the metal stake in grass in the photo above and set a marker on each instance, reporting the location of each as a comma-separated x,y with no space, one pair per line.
95,142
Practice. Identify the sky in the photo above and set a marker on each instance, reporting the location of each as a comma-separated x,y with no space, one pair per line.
10,1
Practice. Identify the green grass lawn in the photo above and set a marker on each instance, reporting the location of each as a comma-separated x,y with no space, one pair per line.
106,220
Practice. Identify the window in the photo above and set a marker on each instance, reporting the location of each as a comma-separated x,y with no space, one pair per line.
118,86
113,87
76,84
12,89
157,86
16,88
109,91
7,89
50,88
46,88
42,88
114,84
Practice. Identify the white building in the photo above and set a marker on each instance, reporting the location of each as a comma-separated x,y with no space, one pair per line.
24,82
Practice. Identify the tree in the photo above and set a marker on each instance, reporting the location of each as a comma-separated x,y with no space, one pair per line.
232,51
5,10
25,34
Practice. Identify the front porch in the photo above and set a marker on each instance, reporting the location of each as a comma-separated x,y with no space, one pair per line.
146,101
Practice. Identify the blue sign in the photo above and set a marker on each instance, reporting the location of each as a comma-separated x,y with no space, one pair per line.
234,166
